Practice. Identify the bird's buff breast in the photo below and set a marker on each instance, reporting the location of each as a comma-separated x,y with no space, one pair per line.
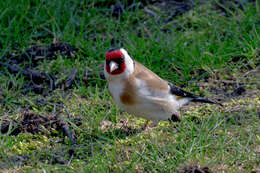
123,96
137,103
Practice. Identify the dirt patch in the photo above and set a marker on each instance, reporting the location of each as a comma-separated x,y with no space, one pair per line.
230,84
172,8
226,7
32,56
14,160
24,64
122,129
237,119
30,123
36,123
166,11
196,169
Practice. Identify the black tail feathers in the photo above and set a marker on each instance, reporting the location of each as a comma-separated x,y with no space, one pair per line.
204,100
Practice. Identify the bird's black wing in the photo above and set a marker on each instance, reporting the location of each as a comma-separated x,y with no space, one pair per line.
179,92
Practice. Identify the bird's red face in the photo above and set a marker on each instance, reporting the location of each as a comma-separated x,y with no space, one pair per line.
115,62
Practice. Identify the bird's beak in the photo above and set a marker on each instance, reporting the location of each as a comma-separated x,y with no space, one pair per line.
113,66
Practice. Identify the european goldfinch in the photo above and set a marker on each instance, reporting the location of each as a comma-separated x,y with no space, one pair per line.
141,92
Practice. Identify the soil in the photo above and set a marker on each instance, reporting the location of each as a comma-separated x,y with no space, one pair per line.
24,63
196,169
36,123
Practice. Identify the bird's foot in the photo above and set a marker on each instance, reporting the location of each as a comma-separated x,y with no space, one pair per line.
145,125
148,126
176,117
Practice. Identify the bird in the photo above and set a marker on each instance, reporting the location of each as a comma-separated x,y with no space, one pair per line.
142,93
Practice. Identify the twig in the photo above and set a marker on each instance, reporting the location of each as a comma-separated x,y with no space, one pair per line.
43,102
65,128
251,71
71,78
62,124
33,75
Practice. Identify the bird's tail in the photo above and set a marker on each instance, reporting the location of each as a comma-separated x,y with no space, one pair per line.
204,100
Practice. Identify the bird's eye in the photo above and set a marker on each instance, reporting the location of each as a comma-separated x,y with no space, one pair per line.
120,60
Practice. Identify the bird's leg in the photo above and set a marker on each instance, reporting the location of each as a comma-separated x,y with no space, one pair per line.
145,125
176,117
154,124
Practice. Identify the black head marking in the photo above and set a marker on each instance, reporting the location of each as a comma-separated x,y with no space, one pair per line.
113,49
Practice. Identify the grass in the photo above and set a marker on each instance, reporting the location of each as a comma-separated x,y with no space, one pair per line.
199,50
